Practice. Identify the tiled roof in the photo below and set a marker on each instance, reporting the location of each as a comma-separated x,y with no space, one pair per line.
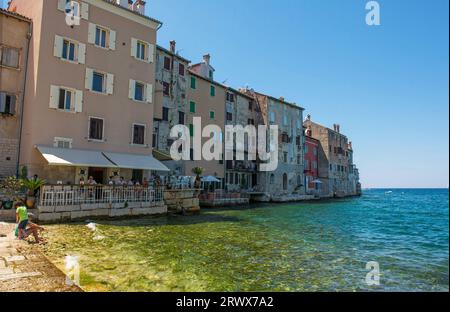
14,14
112,2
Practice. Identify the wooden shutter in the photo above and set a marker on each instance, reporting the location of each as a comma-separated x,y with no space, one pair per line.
112,40
88,79
58,46
81,53
91,33
109,83
78,101
131,89
54,97
133,47
62,5
84,10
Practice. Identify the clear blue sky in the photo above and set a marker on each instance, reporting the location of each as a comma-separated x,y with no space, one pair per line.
387,86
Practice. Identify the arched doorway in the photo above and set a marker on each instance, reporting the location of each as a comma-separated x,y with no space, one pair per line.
285,181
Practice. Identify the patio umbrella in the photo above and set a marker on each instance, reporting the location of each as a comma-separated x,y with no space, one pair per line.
210,179
317,182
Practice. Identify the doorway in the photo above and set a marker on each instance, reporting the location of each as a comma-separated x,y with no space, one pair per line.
98,174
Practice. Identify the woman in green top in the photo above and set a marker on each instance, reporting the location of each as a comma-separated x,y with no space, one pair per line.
24,225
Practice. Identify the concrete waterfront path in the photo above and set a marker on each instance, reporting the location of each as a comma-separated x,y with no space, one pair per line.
23,268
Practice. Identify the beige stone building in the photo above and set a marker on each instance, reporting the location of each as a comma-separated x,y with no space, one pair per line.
90,90
206,99
339,175
171,101
287,182
15,34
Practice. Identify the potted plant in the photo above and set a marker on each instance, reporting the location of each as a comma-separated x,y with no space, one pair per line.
10,187
198,171
32,185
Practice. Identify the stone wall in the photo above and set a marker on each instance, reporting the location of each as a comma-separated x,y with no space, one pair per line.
179,200
84,211
9,149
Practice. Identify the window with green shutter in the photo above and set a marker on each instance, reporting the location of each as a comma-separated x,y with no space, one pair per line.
192,107
193,83
212,114
213,91
191,129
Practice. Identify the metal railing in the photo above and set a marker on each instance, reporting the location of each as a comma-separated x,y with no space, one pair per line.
67,195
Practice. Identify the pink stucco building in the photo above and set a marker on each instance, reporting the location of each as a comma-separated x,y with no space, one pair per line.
90,90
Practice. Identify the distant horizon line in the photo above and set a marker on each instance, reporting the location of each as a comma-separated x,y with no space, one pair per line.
406,188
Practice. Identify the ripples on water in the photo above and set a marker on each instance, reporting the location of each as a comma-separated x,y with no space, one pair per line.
293,247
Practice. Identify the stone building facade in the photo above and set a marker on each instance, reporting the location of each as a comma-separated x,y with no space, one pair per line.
15,34
336,168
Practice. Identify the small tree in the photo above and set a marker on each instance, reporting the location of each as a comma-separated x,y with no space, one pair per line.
198,171
33,185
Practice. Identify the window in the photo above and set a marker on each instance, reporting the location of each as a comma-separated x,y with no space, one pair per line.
211,74
193,83
299,160
230,97
138,134
100,37
272,178
285,120
98,82
7,104
250,105
307,164
191,129
166,88
212,114
167,63
139,91
331,167
154,139
272,117
285,157
165,114
141,48
251,122
213,91
192,107
229,117
62,143
315,164
306,148
9,57
181,69
73,8
96,129
65,99
181,118
315,151
68,52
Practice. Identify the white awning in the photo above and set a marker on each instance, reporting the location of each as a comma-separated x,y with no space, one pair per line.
133,161
74,157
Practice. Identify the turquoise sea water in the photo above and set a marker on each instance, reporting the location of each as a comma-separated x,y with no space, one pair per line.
322,246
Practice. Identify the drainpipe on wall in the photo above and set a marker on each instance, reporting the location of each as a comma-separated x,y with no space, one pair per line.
29,35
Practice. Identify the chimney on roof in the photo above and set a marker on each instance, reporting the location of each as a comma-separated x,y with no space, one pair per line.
173,44
139,6
338,128
124,3
282,98
350,147
207,59
308,117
